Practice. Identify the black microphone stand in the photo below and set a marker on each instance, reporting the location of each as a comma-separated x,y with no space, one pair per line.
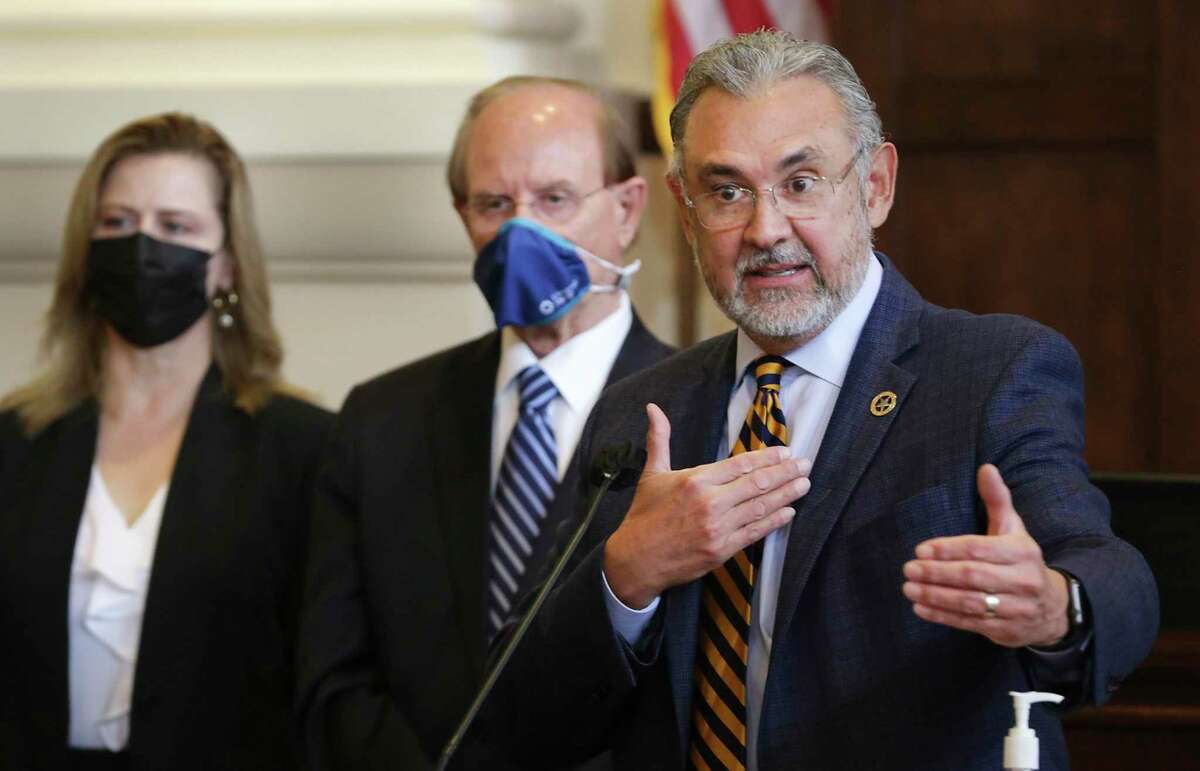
610,465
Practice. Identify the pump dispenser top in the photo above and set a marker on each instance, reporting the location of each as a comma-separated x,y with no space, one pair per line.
1021,744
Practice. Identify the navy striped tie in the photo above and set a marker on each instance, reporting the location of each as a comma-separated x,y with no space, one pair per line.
525,487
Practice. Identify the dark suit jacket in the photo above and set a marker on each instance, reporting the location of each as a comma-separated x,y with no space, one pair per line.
856,679
214,679
393,638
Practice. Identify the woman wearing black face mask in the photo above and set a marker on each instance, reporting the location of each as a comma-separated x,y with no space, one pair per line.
154,481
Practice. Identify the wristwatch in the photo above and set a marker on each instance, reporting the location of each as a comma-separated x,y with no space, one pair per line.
1078,626
1074,604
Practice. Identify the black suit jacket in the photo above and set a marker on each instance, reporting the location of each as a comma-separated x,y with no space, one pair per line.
856,679
214,679
393,636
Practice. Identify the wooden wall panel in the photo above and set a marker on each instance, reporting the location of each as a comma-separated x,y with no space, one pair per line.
1034,39
1028,71
1024,238
1153,722
1175,298
1048,166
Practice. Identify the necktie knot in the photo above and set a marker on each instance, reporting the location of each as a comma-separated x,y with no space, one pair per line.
536,390
768,371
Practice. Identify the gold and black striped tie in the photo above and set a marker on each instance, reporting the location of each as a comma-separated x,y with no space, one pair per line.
718,738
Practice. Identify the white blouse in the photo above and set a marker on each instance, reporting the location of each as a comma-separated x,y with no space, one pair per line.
109,576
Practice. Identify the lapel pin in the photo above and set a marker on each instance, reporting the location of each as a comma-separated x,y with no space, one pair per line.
883,403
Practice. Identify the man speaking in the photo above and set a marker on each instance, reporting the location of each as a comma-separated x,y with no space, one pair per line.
863,518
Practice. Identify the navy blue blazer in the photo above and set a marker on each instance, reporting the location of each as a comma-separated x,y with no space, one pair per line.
856,679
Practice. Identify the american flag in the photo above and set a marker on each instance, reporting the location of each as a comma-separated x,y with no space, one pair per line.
686,27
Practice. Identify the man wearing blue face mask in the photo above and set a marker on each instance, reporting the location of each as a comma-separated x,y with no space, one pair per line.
434,513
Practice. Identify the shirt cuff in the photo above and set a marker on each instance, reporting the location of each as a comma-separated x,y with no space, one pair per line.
628,623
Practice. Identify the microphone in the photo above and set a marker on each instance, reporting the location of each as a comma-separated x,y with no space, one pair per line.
615,467
622,461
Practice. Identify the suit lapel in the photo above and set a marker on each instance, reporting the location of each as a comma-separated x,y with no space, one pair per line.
852,438
54,493
640,350
697,428
200,523
460,438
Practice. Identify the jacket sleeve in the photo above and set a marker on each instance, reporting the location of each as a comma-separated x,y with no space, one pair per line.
348,720
1033,431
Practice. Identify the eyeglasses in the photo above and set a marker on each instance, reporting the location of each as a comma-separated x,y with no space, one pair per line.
557,205
800,197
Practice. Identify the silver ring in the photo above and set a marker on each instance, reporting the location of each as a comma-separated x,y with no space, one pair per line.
990,603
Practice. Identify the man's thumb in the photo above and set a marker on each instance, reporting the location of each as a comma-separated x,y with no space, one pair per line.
658,441
1002,517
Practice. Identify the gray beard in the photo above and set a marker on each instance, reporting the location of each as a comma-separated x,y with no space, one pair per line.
790,314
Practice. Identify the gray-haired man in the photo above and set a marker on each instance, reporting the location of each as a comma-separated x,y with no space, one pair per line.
863,518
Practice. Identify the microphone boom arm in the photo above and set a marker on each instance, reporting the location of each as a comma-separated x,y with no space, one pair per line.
606,477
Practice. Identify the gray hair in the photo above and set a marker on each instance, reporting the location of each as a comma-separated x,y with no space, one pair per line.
754,61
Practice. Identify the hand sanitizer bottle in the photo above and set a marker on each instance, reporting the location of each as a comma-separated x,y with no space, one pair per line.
1021,744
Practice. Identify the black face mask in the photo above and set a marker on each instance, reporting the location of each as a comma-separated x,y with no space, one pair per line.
149,290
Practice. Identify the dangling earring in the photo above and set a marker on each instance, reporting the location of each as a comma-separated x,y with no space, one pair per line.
224,303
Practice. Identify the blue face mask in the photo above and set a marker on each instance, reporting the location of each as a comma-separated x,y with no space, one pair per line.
531,275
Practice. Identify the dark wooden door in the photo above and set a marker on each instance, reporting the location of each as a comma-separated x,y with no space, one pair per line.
1048,167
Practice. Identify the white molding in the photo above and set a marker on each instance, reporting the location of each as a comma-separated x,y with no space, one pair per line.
545,20
407,121
41,270
190,44
371,272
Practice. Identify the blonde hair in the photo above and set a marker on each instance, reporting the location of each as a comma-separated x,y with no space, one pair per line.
249,354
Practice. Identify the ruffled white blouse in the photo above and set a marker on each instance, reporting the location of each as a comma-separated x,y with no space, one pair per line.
109,576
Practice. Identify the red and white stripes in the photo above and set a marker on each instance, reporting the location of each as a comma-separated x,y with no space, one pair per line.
686,27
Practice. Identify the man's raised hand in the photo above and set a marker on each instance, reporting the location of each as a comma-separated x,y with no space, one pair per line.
951,579
684,523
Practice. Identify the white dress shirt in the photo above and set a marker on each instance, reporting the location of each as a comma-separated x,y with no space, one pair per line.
109,576
808,392
578,368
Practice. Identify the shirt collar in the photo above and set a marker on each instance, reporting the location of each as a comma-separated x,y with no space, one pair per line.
575,367
827,355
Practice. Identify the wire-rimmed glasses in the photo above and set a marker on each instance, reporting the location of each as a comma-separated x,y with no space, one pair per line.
801,196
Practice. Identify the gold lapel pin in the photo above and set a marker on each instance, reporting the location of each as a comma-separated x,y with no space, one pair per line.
883,403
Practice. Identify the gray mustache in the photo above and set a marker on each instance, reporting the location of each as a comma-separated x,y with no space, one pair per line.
769,258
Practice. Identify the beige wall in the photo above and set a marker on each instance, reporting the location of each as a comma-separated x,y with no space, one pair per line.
344,110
